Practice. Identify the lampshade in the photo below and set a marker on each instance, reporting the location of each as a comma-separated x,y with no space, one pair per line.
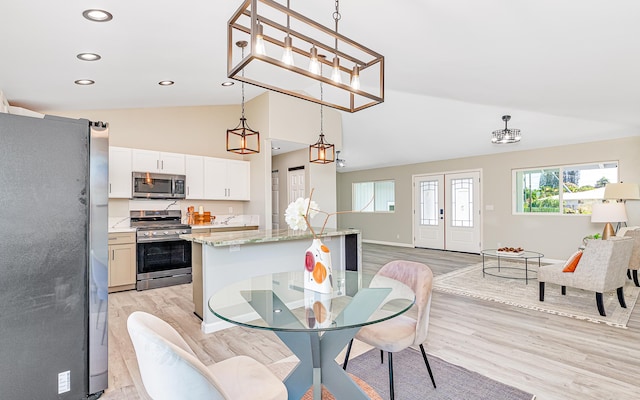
622,191
608,212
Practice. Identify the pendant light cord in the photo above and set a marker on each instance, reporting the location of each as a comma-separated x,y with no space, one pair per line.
336,17
242,87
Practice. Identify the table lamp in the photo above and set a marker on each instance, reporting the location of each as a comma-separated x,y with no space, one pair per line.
622,191
608,213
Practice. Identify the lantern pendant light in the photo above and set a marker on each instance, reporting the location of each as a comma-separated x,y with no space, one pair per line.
321,152
242,139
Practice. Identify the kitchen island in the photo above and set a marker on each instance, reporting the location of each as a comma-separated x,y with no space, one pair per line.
222,258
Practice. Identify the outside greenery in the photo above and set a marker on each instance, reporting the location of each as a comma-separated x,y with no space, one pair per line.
542,190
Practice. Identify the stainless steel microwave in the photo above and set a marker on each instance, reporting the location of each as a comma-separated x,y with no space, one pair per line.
148,185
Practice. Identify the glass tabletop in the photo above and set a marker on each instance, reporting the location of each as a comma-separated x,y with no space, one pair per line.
279,302
522,254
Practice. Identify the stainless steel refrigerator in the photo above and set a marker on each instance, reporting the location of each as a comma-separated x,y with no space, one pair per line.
53,258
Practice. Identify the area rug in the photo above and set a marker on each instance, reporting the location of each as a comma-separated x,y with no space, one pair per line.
411,379
577,303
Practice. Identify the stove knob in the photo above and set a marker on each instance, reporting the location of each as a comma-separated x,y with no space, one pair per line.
184,231
146,233
153,233
166,232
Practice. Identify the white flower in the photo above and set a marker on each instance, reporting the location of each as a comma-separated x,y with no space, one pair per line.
295,213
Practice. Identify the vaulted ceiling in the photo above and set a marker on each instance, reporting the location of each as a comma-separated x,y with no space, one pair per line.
566,71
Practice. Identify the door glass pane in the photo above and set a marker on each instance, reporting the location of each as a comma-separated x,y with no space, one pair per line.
462,202
429,203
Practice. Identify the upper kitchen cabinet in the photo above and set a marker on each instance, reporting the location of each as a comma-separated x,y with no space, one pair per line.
226,179
119,172
155,161
194,167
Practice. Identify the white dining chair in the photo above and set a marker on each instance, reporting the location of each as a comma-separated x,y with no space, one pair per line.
170,370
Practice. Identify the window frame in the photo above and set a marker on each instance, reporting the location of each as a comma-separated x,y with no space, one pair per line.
387,202
561,169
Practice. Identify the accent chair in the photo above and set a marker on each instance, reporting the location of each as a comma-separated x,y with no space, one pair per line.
601,269
634,262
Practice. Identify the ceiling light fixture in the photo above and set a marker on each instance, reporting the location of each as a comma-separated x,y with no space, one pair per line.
242,139
262,23
321,152
339,161
97,15
89,56
84,82
228,83
166,83
506,135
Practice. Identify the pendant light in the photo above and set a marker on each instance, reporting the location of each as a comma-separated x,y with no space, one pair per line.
287,53
242,139
335,73
321,152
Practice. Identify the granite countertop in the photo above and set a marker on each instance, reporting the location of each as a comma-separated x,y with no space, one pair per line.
218,239
216,226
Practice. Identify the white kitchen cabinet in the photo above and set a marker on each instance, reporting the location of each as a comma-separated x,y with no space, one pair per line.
226,179
157,161
119,172
238,179
194,168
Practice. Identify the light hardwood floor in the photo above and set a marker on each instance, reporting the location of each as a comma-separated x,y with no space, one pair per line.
550,356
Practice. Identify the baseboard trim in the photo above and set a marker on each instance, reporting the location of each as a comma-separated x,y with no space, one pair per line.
396,244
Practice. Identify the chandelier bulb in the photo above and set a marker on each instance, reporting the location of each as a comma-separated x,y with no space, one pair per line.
260,48
355,78
335,75
287,55
314,64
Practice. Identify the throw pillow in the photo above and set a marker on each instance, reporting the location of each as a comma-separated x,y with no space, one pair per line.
572,262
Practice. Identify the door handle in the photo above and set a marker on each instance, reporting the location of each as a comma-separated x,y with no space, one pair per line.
441,213
162,164
113,255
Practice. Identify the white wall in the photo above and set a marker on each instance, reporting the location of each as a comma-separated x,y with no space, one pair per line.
556,236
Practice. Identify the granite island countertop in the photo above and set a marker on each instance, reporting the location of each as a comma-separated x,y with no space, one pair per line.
218,239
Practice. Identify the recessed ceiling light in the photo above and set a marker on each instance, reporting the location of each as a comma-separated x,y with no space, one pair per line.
97,15
84,82
166,83
228,83
89,56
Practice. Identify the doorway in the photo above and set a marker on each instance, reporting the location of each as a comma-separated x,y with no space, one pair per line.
447,211
275,200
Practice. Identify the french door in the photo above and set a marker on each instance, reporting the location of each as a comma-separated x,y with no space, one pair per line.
447,211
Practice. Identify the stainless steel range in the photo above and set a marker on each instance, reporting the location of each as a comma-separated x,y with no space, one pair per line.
163,259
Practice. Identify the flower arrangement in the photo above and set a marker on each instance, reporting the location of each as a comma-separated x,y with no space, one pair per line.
300,212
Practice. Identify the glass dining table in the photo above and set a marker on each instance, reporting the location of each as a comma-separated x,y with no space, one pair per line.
314,326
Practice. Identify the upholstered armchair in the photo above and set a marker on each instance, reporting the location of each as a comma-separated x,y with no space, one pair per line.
634,262
601,268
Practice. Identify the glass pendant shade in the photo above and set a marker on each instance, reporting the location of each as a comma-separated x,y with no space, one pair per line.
287,54
322,152
335,74
355,78
314,64
242,139
260,48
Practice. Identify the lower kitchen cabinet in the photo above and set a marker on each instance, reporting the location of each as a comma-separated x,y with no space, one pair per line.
122,261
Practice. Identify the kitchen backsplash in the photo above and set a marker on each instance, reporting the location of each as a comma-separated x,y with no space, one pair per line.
226,212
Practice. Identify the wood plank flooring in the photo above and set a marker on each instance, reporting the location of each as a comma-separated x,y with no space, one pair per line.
550,356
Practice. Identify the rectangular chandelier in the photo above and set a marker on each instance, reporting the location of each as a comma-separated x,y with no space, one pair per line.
292,54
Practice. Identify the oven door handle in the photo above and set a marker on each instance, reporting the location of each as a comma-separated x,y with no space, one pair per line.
160,239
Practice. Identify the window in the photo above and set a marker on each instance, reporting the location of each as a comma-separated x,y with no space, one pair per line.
378,196
567,189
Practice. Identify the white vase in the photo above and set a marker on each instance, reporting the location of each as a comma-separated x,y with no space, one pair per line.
317,272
